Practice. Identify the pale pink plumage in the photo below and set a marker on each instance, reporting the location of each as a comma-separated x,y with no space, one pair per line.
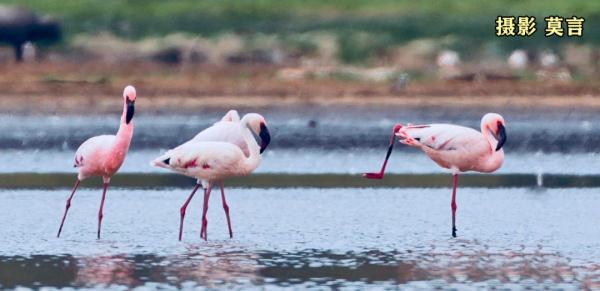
215,154
228,129
454,147
210,160
103,155
231,115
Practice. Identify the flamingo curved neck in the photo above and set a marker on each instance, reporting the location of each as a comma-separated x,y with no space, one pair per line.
251,162
496,158
487,134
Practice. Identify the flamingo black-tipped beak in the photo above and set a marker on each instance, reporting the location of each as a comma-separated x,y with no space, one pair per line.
265,137
130,111
501,136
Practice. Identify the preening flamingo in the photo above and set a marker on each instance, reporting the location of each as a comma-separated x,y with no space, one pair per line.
454,147
217,153
103,155
228,130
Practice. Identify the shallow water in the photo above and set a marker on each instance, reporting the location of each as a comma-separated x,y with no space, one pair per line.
315,127
304,161
352,238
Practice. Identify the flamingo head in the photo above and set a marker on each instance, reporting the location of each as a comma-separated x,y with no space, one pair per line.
258,125
494,123
129,95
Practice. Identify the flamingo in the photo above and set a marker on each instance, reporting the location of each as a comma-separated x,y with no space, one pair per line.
217,153
454,147
228,129
103,155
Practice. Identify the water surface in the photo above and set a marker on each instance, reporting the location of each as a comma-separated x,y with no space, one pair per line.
315,127
356,238
314,161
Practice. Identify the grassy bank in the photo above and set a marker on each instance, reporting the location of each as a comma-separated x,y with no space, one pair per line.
469,24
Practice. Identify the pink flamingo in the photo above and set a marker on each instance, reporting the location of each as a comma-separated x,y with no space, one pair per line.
228,130
215,154
454,147
103,155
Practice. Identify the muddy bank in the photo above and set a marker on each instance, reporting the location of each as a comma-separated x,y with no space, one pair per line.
63,87
111,103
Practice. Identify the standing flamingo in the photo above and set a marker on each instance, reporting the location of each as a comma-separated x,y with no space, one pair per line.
454,147
228,130
215,154
103,155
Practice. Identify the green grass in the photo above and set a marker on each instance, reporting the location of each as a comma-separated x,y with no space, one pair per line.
387,22
416,18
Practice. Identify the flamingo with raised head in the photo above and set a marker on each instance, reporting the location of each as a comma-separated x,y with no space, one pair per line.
103,155
215,154
454,147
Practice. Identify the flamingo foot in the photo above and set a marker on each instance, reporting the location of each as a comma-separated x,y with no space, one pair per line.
226,208
377,176
203,234
453,231
182,213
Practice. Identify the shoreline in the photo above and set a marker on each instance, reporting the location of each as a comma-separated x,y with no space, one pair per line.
63,87
185,104
323,180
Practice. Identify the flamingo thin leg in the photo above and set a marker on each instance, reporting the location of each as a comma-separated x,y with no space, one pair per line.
226,208
100,212
387,156
183,208
204,211
453,204
68,206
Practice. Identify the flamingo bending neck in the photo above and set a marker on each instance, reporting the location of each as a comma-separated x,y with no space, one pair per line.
251,162
496,158
486,131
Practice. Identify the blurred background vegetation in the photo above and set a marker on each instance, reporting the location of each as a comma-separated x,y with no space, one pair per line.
389,21
410,35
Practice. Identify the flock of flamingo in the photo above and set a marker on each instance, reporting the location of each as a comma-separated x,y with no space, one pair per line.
229,148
